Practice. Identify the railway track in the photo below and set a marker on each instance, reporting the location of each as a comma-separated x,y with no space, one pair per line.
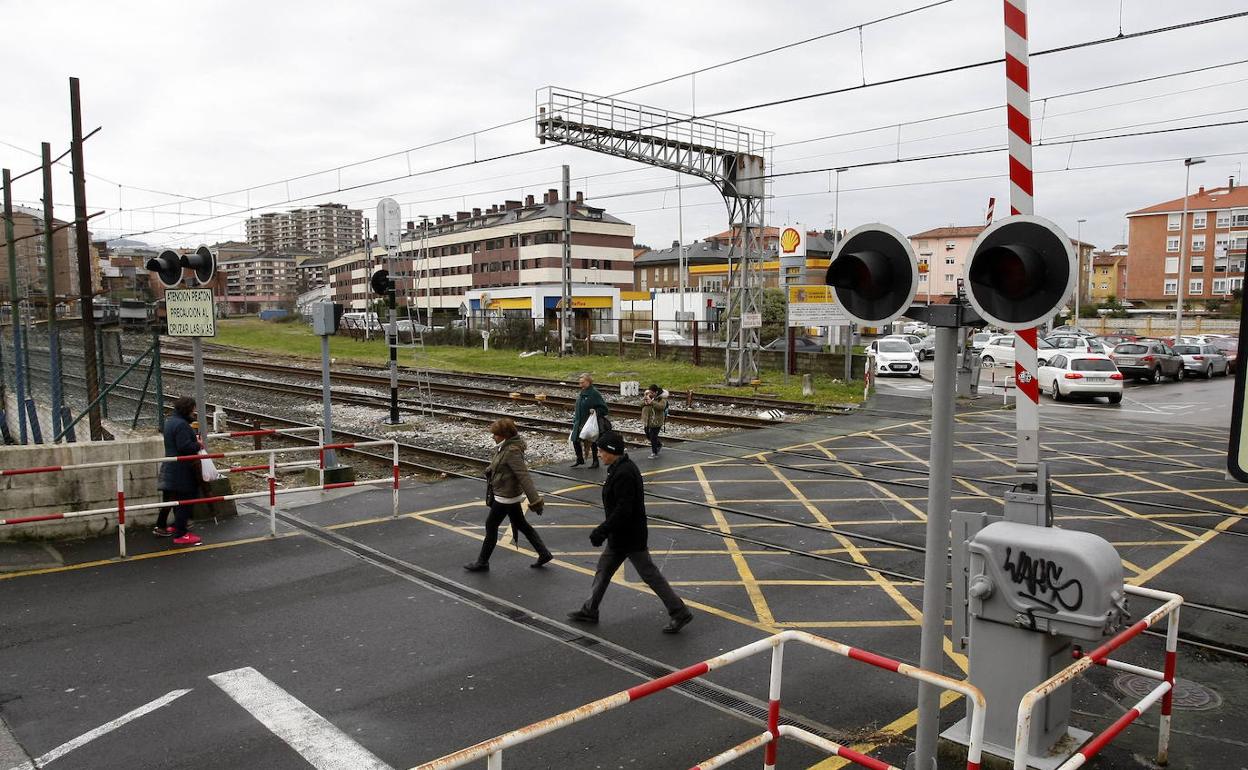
383,381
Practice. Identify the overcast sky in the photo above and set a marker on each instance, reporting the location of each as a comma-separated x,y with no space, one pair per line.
211,98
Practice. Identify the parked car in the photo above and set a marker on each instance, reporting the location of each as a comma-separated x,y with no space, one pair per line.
1227,346
1071,329
1148,361
1070,374
408,326
914,327
1114,340
979,340
666,337
1077,343
800,345
1000,351
1203,360
604,337
894,356
923,347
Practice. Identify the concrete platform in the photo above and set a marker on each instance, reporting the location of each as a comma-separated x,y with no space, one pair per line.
369,621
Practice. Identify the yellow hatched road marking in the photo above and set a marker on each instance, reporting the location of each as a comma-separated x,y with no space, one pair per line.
748,580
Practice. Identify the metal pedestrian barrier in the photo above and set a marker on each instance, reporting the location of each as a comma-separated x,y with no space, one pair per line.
272,492
492,750
1164,691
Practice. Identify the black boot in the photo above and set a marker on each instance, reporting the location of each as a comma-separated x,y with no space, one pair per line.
477,566
543,553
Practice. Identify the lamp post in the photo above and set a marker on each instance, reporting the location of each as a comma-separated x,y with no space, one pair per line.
836,237
1178,305
1078,265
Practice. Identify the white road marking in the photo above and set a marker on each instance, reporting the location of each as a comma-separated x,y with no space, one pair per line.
324,746
103,729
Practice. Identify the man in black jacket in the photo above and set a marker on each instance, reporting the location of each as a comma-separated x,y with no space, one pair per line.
624,531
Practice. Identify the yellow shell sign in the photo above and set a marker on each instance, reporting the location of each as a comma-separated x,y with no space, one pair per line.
790,239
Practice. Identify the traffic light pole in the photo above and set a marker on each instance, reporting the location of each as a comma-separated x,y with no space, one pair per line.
197,352
392,340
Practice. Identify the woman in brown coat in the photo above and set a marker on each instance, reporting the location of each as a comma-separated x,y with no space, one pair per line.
507,485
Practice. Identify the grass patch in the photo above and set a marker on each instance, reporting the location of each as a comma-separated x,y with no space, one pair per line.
297,340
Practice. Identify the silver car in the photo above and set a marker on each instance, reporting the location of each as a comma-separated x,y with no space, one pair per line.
1203,360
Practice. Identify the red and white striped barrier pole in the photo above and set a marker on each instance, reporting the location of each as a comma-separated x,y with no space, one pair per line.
121,510
273,494
1018,121
773,707
394,467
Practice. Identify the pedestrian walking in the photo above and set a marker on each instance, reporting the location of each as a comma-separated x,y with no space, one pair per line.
589,400
624,532
653,415
179,480
507,484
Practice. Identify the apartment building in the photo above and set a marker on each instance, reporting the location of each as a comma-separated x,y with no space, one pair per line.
327,229
507,245
1214,256
31,249
256,280
1106,277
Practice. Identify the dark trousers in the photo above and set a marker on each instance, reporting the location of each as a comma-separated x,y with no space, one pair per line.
611,560
580,451
653,435
181,513
513,513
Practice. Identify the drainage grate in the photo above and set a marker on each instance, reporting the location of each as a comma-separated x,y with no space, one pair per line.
701,690
1188,695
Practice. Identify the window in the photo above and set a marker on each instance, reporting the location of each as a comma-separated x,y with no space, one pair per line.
1198,243
1234,283
1171,286
1221,242
1196,286
1200,219
1239,241
1172,264
1172,244
1219,286
922,277
950,261
1224,218
1174,221
1105,285
1239,217
949,277
950,245
1197,265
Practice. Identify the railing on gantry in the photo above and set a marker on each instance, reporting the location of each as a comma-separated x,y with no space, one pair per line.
272,492
492,750
1164,691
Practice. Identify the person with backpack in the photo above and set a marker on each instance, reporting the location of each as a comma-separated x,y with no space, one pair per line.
653,415
589,400
624,532
508,483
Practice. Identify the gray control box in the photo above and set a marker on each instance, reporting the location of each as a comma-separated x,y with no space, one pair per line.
323,321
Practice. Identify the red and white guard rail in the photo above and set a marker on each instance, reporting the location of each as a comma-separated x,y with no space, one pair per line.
122,508
1164,691
492,750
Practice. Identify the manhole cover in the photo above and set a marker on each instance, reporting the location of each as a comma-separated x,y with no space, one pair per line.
1187,694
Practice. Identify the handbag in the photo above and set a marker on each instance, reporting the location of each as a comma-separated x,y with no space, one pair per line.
589,431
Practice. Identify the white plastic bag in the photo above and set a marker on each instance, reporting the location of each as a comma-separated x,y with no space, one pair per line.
589,431
208,471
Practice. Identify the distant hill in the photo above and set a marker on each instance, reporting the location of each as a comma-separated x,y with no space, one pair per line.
128,243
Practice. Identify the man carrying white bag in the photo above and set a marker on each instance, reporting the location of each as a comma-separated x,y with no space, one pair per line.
589,420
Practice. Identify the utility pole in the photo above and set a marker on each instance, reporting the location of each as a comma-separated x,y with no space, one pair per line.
19,359
565,313
1178,304
49,262
682,262
82,243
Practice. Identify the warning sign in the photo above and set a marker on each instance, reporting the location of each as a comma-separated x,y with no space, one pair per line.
814,305
190,313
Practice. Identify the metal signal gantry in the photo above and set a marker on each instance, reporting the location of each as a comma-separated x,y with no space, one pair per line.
729,156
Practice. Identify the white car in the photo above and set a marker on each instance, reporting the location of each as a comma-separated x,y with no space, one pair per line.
979,340
923,347
1000,351
894,356
1080,374
666,337
915,327
1074,343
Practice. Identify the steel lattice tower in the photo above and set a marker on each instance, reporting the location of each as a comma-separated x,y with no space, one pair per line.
729,156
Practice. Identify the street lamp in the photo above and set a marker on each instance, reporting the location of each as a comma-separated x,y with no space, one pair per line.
1178,305
1078,265
836,236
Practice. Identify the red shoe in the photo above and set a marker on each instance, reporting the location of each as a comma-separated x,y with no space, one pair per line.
188,539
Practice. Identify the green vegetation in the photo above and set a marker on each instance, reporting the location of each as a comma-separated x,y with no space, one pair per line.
297,340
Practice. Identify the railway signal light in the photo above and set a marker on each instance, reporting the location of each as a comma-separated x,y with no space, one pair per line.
381,282
1020,271
203,262
167,266
874,274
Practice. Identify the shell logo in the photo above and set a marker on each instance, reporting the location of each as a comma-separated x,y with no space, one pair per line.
790,239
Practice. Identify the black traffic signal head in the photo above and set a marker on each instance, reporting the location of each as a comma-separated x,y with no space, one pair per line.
381,283
167,266
203,262
874,274
1020,271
